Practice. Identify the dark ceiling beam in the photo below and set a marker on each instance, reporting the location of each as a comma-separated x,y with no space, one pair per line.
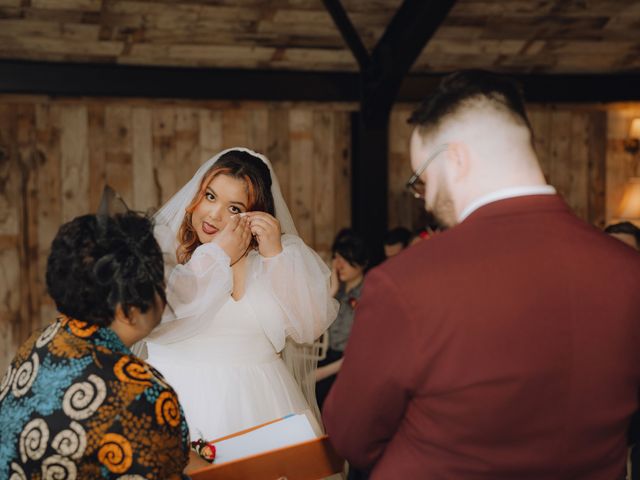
409,31
348,31
67,79
75,79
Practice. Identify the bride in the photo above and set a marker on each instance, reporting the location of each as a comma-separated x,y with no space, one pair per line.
246,299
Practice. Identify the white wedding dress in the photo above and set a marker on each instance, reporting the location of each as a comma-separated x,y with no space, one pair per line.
238,364
239,378
223,356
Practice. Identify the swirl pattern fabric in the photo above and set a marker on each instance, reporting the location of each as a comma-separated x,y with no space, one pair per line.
75,404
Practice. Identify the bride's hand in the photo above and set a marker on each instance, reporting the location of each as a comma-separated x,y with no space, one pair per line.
266,229
234,238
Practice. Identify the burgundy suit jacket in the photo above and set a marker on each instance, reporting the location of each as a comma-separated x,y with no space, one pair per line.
507,347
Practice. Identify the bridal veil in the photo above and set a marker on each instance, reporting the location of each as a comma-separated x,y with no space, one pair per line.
305,317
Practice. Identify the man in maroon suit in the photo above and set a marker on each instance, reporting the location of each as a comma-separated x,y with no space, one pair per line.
507,347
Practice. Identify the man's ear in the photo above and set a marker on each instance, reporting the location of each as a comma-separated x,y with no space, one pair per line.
460,160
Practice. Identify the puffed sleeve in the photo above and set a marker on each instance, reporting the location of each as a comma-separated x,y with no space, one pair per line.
298,279
195,292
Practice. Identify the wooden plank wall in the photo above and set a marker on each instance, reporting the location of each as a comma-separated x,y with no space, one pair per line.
56,155
571,144
621,165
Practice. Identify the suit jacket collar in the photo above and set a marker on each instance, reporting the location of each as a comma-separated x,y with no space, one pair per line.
518,206
503,194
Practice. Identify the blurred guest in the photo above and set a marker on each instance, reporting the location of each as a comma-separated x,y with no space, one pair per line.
350,260
629,234
75,402
396,240
626,232
431,228
527,364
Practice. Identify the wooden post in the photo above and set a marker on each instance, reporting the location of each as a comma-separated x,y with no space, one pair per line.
382,73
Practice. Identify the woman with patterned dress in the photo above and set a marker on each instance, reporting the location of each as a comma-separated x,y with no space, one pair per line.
75,403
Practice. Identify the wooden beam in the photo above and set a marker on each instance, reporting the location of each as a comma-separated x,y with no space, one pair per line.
348,32
405,37
403,40
73,79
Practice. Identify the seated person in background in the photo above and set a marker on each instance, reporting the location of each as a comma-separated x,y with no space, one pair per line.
432,227
626,232
350,260
396,240
418,236
75,402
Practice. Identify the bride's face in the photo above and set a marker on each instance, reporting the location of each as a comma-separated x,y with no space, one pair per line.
224,196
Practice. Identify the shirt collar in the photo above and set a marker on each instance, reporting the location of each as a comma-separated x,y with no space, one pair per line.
503,194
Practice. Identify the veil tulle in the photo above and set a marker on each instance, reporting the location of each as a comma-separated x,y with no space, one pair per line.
172,213
300,359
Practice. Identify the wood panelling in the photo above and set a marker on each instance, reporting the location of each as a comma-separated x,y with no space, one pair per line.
10,236
57,154
516,36
621,165
571,148
404,209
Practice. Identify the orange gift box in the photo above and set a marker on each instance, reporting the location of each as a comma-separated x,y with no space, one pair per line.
309,460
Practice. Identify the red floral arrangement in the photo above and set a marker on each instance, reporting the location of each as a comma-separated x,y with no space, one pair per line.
206,450
353,302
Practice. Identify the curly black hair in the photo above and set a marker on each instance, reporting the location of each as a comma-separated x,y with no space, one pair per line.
98,262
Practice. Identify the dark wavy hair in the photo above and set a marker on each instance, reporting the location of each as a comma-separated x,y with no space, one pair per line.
98,262
236,164
352,247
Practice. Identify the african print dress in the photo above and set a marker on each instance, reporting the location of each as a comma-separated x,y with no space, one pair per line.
75,403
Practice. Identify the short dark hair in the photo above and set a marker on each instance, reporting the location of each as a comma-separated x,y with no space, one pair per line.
398,235
625,227
352,247
459,89
98,262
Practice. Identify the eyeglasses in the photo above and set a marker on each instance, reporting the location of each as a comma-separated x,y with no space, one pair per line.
415,185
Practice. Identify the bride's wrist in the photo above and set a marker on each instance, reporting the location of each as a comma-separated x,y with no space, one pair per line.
271,254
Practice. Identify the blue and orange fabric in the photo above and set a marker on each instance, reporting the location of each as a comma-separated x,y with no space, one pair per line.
75,403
